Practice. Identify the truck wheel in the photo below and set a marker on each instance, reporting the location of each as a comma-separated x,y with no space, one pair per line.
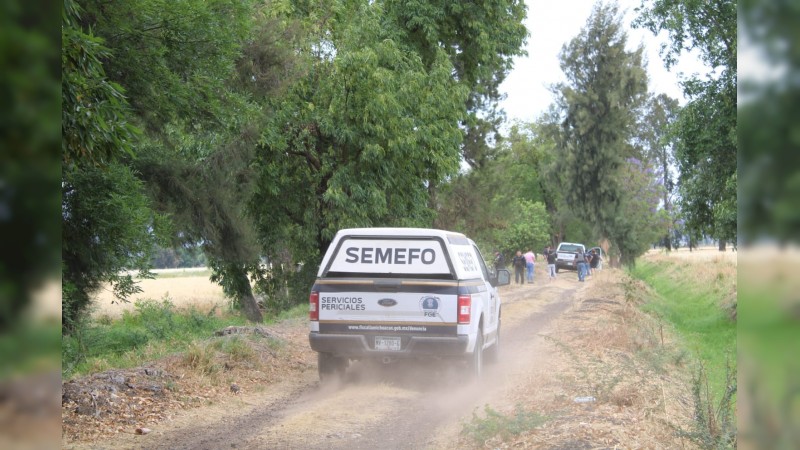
557,269
476,361
330,366
493,352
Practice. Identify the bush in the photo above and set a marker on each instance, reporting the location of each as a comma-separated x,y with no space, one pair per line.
495,424
153,329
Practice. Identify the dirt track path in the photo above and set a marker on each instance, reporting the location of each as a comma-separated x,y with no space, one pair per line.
395,406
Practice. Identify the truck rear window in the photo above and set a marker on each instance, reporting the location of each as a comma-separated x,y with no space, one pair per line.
569,248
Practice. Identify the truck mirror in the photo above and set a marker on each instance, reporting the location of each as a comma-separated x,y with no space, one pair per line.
502,277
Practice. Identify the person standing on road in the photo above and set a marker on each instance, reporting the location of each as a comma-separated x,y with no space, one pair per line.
519,267
499,260
588,264
580,264
530,260
595,261
550,254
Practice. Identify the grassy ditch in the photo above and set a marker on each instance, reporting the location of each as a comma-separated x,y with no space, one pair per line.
697,300
153,329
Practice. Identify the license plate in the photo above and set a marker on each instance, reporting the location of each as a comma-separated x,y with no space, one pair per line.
387,343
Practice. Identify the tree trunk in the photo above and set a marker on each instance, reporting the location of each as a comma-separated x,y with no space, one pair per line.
722,245
246,299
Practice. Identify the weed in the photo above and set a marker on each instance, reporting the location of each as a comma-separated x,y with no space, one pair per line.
275,344
714,424
236,347
200,358
497,425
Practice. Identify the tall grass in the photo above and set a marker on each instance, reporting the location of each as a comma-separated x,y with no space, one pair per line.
153,329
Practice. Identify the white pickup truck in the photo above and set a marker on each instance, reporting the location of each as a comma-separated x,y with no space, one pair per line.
566,252
393,293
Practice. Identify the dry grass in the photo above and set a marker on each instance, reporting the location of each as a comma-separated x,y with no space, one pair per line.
606,348
192,289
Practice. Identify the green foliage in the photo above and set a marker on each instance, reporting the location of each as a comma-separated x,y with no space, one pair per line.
359,140
173,57
605,85
95,116
639,222
706,129
153,329
527,228
236,347
507,196
108,227
657,138
495,425
480,38
706,155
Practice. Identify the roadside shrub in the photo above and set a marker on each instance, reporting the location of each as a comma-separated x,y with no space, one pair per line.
236,347
153,329
200,358
495,425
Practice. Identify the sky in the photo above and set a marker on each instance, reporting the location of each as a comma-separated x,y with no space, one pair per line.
551,24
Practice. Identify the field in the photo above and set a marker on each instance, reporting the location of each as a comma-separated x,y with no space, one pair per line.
183,287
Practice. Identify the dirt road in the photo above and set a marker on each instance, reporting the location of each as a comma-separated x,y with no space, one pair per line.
560,341
376,406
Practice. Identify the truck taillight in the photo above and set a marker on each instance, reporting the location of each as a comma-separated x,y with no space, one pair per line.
464,308
313,306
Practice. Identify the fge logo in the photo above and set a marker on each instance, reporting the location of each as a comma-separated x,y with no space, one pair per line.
429,306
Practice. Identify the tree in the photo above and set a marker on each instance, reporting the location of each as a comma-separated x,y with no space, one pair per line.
657,139
640,222
108,228
359,139
480,38
605,85
706,145
528,228
107,223
181,63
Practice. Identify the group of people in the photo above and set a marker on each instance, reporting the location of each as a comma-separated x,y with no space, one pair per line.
587,263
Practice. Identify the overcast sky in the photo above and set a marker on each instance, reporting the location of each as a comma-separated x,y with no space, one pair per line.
551,24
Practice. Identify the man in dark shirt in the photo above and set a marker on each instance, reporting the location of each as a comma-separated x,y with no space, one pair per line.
499,260
551,254
580,264
595,261
519,264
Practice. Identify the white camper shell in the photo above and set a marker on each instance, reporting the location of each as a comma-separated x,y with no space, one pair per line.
393,293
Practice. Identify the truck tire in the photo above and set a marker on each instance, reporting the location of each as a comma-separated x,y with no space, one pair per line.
330,367
476,360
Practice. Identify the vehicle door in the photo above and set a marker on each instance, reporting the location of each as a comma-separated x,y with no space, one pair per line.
491,305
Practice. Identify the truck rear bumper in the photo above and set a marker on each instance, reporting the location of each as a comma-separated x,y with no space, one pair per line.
359,346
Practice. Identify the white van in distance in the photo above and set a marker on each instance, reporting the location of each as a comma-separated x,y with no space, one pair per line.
394,293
